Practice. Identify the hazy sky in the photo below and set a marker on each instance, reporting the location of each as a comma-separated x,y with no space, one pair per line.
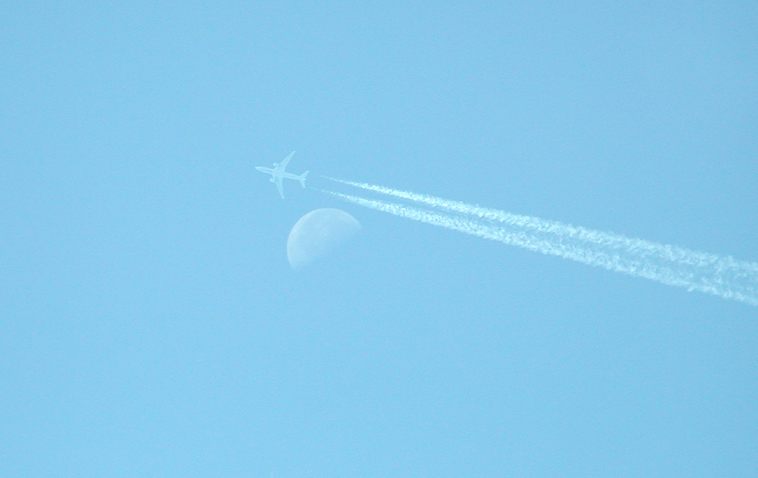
150,324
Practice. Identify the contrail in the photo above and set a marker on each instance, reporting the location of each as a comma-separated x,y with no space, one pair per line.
605,239
696,271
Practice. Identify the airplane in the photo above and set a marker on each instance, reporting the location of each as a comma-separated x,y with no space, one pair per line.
278,173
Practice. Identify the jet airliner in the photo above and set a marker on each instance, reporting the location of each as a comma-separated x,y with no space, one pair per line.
278,174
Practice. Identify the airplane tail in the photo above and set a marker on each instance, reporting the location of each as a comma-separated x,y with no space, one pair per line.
302,177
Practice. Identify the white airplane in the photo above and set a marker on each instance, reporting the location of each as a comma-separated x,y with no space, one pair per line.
278,174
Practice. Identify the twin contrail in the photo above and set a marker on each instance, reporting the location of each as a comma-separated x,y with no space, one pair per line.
722,276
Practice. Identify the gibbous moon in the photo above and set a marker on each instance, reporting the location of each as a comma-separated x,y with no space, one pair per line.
319,233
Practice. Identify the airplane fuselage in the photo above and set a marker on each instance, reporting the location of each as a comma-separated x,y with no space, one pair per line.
278,174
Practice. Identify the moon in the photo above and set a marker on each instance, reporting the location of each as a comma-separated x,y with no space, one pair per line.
319,233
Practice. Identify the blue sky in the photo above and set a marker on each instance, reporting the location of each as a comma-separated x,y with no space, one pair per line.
151,324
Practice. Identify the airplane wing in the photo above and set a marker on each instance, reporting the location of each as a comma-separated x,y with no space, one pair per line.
278,183
283,165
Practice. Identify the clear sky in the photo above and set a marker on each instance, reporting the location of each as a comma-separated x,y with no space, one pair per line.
150,324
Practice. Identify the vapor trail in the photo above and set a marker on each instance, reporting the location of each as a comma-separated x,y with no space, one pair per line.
605,239
721,276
